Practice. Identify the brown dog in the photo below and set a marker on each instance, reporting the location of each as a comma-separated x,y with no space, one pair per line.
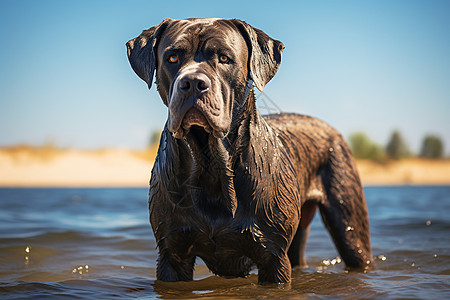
228,185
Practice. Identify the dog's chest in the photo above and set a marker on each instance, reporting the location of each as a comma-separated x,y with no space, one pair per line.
225,249
212,241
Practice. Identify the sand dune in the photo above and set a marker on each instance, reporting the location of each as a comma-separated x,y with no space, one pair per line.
48,167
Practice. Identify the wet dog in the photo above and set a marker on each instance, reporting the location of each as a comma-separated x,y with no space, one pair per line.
232,187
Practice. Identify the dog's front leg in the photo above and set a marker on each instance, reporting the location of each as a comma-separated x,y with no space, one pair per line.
274,268
171,267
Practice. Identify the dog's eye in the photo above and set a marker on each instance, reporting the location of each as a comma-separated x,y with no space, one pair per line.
223,59
173,59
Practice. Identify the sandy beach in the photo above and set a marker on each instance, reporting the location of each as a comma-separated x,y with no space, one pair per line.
49,167
410,171
74,168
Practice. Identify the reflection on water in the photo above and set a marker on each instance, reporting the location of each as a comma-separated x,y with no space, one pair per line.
97,243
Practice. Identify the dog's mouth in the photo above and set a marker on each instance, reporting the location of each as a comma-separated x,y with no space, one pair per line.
196,127
195,121
199,136
194,117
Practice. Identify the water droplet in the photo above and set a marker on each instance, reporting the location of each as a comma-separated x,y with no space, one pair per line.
382,257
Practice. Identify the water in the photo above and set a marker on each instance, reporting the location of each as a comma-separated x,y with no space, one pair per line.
97,243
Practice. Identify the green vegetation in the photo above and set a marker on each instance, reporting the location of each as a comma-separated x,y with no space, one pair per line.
364,148
432,147
396,148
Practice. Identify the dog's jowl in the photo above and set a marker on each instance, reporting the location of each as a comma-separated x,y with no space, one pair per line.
232,187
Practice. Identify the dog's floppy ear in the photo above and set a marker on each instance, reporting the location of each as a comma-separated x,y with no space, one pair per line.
141,51
264,53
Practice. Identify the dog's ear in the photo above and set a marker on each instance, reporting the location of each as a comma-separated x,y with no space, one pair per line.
141,51
264,53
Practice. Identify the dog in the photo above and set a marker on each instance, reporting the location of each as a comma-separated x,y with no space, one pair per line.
228,185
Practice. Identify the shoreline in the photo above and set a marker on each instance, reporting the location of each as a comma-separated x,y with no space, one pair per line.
24,166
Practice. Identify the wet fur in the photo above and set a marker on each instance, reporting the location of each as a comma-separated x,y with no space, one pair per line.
246,200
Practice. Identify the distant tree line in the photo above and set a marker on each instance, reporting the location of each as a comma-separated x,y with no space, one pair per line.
396,148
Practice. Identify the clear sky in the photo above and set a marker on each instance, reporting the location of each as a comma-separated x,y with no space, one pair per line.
371,66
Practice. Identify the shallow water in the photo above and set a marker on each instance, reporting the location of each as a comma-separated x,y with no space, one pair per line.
97,243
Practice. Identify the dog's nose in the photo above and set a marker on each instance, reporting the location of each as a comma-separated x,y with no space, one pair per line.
197,83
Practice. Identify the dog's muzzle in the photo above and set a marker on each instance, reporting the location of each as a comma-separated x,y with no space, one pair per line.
189,103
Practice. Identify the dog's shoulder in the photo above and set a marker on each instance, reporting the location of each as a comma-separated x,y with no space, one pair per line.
305,136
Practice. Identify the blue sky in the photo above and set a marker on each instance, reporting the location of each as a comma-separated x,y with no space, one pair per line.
371,66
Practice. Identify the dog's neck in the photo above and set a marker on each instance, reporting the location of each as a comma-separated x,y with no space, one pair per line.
212,166
206,173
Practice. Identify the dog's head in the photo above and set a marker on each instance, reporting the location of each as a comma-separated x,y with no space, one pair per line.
203,67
